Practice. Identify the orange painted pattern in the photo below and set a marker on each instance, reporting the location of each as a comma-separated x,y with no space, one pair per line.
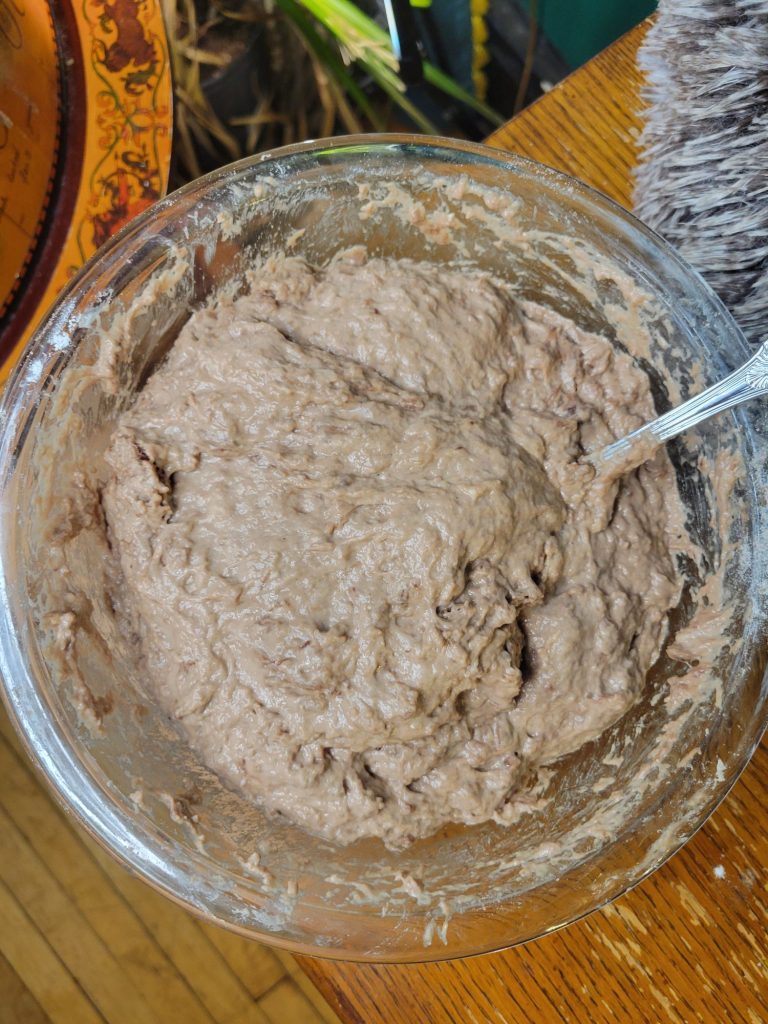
127,149
128,106
29,133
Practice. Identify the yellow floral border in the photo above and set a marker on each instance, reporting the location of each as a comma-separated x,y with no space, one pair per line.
127,151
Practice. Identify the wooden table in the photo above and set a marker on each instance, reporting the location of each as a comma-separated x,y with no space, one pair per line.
690,943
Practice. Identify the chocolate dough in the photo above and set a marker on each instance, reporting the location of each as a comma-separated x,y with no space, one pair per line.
355,553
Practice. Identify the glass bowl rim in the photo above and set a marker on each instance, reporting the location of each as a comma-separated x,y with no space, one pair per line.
57,759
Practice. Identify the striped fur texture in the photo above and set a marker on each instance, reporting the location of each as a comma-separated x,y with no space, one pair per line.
702,181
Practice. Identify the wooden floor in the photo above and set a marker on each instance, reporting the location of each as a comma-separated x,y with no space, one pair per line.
82,942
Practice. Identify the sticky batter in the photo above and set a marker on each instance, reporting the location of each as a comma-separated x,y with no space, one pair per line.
353,550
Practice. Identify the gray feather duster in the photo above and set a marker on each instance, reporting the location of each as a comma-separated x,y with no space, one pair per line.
702,181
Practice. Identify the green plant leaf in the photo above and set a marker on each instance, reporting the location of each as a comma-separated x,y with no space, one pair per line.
330,60
368,43
392,90
452,88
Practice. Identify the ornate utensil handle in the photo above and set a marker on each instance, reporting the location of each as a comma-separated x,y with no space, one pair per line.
748,381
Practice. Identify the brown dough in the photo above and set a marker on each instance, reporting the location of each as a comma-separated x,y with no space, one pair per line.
345,557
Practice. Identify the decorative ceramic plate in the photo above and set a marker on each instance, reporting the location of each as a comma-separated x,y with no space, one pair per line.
85,141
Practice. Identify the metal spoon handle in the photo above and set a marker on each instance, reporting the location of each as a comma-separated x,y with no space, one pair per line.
748,381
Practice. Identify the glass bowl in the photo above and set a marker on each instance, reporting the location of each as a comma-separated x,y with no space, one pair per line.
624,803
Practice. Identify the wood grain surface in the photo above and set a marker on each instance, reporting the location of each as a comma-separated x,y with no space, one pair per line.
82,942
689,944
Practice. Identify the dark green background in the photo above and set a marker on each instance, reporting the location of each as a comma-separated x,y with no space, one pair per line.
581,28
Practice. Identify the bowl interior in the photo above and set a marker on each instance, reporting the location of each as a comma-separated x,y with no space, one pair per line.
623,803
